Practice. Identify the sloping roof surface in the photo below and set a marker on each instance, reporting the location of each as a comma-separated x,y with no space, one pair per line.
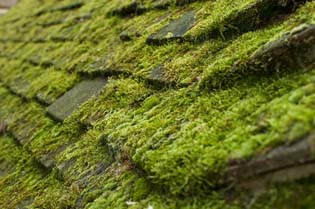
157,104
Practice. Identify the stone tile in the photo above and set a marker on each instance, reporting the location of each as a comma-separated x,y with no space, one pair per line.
157,73
48,159
20,86
5,168
44,99
23,131
285,175
175,30
294,50
23,204
64,166
71,101
282,157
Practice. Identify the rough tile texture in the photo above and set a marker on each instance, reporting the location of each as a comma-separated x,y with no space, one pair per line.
72,100
176,29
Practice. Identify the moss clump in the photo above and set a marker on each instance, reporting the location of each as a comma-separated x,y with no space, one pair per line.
135,145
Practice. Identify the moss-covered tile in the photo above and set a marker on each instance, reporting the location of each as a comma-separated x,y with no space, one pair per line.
72,100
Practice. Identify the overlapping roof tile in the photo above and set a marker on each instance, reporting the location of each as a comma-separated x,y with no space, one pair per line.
157,104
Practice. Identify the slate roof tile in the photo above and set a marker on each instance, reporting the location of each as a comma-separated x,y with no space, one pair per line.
159,104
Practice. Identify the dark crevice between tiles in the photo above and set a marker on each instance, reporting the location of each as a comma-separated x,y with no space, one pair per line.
36,61
37,40
51,23
73,6
12,40
74,20
61,39
151,81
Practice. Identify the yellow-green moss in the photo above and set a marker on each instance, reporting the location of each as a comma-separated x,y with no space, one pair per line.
165,147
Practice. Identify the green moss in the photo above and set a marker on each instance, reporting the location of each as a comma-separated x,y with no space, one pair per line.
134,143
26,184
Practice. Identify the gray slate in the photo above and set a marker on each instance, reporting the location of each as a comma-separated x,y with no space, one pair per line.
72,100
285,156
175,30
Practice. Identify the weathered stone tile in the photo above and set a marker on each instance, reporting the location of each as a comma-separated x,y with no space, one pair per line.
44,99
286,156
23,131
157,73
157,77
34,60
5,167
285,175
20,86
23,204
71,101
64,166
48,159
295,50
175,30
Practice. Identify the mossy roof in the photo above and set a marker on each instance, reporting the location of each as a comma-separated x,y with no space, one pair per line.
157,104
